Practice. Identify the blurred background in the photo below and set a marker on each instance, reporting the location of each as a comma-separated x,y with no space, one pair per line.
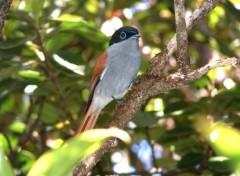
48,50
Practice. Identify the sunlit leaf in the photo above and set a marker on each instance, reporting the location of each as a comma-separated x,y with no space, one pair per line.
31,74
221,164
155,105
77,149
224,139
68,17
18,127
202,82
79,69
215,15
5,167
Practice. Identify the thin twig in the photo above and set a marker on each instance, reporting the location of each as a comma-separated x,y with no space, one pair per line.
152,147
25,137
28,131
62,99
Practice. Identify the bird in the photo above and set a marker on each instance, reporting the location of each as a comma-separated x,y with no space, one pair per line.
115,71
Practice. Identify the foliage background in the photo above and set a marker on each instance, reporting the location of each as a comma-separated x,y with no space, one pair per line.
48,50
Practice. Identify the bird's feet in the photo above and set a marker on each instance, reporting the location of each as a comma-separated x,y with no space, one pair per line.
135,80
119,101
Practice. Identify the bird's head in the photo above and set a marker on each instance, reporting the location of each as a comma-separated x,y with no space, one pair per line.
124,33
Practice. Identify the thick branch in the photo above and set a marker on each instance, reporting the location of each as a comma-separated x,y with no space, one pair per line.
4,7
182,37
150,84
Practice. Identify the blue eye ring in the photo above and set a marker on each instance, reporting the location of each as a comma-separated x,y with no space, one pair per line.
123,35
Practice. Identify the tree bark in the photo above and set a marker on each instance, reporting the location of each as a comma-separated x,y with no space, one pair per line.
182,37
4,7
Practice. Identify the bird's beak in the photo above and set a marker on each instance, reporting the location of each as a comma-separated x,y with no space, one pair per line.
136,36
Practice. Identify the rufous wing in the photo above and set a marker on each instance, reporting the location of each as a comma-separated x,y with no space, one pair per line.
90,117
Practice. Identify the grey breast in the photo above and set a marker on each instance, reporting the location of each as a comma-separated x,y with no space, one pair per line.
122,66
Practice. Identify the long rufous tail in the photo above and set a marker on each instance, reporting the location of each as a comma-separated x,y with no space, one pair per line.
89,121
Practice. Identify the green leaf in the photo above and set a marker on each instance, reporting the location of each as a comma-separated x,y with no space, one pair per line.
167,162
68,18
190,160
11,71
85,31
37,6
26,159
18,127
63,160
231,9
7,104
176,133
10,26
31,74
4,143
9,53
177,106
5,167
49,114
22,16
225,140
223,47
145,119
14,42
42,91
221,164
58,41
201,83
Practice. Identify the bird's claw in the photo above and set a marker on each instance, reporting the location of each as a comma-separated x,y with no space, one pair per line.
119,101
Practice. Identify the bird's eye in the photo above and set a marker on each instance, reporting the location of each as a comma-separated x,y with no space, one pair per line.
123,35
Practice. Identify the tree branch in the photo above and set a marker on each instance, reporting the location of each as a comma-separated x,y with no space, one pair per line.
182,37
152,83
4,7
